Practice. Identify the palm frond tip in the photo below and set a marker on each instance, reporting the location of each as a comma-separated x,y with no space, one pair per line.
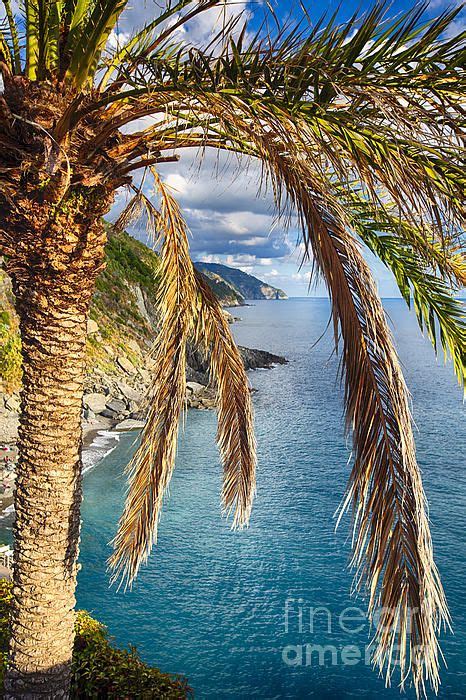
235,433
150,470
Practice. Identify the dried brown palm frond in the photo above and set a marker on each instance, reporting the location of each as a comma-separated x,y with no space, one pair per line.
235,433
151,468
393,552
188,308
138,208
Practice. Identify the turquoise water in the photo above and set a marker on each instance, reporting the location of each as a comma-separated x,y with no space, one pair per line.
211,604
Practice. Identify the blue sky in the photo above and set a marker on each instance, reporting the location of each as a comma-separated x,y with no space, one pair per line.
230,220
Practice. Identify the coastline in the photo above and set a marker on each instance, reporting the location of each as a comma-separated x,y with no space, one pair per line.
97,437
106,415
91,429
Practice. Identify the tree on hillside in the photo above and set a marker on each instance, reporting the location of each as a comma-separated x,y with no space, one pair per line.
358,129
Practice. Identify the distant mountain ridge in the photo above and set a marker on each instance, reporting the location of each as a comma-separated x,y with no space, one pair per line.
225,292
243,286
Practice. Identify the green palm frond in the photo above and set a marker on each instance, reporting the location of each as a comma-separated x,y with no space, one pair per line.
75,15
438,312
147,40
92,40
49,54
13,37
392,136
32,38
426,271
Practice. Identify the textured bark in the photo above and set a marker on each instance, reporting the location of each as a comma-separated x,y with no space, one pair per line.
53,287
54,189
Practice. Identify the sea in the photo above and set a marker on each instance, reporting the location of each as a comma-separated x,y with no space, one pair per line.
269,612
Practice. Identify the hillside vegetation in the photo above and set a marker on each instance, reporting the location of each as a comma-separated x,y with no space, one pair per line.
122,320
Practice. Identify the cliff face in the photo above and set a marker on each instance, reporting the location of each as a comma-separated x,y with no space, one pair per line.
121,329
224,291
247,286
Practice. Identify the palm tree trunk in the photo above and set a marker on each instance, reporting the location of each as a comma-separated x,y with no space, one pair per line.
53,296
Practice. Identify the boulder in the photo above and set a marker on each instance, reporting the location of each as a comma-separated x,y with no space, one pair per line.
133,345
209,403
12,403
133,407
108,413
194,387
126,365
116,406
129,393
92,326
145,375
95,402
130,424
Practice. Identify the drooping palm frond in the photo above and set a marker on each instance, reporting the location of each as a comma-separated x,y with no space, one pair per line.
138,208
151,468
188,310
235,433
393,552
393,549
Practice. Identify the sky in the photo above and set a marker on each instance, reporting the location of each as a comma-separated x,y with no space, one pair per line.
231,220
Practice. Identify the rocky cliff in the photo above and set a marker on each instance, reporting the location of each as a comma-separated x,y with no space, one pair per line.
121,329
245,285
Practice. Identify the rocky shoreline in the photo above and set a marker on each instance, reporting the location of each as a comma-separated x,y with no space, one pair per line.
116,401
121,328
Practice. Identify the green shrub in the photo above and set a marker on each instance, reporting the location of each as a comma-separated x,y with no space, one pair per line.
100,670
10,357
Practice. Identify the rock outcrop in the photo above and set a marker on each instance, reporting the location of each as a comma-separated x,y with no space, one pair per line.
240,284
121,329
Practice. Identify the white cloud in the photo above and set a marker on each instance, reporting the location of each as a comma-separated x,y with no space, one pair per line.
198,32
178,183
457,27
117,39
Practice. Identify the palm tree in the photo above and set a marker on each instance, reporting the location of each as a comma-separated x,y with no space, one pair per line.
358,129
